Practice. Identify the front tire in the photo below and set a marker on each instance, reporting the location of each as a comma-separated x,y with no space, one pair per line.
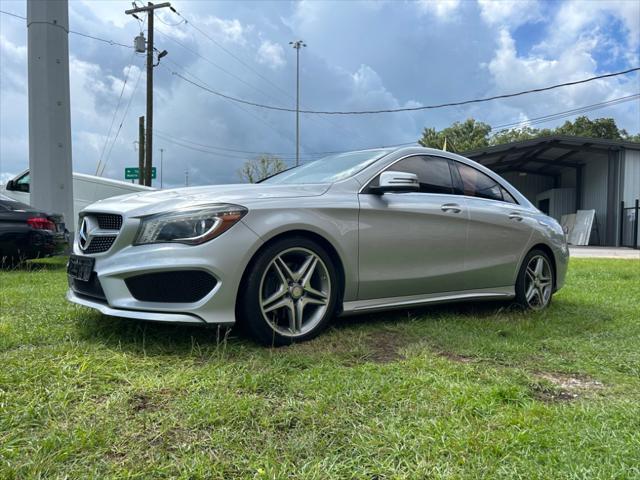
536,281
290,292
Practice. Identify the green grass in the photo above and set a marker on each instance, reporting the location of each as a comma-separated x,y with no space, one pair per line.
464,391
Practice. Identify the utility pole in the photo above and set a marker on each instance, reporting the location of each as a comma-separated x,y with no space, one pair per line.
141,178
149,9
161,166
298,44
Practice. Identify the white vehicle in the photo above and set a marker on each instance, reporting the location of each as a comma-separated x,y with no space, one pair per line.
87,189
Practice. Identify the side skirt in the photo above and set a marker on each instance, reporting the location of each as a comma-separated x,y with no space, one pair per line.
360,306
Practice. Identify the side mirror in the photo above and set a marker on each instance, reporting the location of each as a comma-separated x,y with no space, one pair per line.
11,185
399,182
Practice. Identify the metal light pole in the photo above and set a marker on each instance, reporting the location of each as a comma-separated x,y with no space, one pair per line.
298,44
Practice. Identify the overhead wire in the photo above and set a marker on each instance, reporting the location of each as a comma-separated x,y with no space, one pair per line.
534,120
256,72
410,109
115,112
74,32
124,117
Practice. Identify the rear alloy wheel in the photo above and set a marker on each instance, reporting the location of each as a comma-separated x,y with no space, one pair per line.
291,292
534,287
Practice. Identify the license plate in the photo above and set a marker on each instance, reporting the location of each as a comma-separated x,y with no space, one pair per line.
80,267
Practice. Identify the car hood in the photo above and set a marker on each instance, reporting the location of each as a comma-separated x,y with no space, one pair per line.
245,194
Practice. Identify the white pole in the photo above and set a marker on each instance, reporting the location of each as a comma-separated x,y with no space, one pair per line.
49,109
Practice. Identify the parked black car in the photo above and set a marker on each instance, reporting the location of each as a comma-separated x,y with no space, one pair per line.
29,233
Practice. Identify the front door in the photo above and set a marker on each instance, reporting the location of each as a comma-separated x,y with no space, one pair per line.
413,243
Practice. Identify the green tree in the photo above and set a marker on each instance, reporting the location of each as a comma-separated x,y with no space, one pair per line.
472,134
261,167
460,137
517,135
584,127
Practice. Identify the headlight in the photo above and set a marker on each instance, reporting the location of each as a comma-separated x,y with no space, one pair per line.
192,226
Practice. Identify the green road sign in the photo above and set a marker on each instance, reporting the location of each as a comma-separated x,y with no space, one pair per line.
133,173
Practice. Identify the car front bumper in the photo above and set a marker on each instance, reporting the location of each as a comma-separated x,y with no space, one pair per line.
224,258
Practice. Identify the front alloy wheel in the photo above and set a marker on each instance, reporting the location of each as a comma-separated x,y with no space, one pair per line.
294,292
289,293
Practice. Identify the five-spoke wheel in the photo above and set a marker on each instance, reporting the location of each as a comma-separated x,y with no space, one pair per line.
294,291
290,292
535,283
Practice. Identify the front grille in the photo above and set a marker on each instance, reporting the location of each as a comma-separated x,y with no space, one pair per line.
90,288
108,221
182,286
100,244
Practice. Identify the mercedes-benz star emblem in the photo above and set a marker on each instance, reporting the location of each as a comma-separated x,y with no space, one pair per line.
84,235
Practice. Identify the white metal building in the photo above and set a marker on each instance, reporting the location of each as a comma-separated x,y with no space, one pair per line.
562,174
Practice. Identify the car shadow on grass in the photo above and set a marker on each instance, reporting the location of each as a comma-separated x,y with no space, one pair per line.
358,332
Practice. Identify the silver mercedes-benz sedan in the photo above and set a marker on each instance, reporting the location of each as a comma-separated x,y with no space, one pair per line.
355,232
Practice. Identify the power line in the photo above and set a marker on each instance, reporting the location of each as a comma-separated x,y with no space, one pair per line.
569,113
534,120
105,40
211,62
124,117
249,67
249,112
409,109
115,112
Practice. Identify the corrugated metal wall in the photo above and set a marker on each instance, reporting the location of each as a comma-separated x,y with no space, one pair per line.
594,194
529,185
631,192
631,181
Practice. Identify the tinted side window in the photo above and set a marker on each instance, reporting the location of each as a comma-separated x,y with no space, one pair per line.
433,173
22,184
507,196
477,184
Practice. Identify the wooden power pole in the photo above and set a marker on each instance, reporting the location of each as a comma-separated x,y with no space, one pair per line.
141,142
149,10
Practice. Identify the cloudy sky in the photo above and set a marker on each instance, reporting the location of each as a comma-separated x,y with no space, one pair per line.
360,55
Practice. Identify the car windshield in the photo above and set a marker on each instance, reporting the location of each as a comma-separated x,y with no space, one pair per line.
328,169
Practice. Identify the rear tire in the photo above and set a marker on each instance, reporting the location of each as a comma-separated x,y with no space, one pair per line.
289,293
536,281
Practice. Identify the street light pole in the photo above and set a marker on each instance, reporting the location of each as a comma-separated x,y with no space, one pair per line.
298,44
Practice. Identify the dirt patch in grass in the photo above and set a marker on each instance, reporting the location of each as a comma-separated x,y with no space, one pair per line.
384,346
454,357
564,387
149,402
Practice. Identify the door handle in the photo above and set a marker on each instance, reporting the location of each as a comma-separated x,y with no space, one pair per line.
451,207
515,216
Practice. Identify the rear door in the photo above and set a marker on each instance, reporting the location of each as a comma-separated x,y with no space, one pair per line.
413,243
499,229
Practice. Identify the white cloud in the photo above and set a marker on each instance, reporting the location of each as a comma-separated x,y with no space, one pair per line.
16,53
443,9
271,54
577,19
512,13
511,73
230,31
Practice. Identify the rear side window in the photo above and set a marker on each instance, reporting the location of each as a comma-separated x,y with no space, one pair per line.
477,184
433,173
